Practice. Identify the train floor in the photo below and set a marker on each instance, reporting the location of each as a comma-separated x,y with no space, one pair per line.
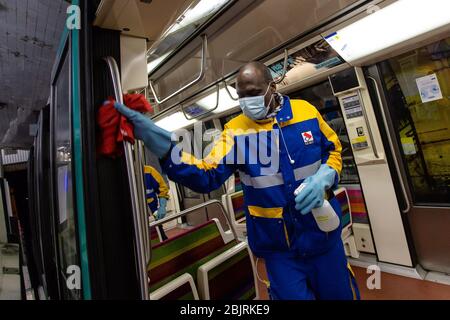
9,273
393,287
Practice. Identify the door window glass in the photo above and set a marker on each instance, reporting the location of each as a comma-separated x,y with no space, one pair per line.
418,92
67,237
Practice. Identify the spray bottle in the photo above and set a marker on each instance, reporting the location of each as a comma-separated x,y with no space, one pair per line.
326,218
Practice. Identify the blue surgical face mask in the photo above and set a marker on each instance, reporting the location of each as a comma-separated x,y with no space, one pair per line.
255,107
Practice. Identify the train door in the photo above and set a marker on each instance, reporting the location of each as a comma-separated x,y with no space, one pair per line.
413,93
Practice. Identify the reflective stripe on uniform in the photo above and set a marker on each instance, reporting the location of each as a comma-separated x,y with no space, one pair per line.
307,171
261,182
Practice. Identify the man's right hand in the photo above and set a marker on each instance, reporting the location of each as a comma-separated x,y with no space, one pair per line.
156,139
312,195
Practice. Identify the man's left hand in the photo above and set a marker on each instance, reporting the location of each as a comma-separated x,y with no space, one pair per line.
161,213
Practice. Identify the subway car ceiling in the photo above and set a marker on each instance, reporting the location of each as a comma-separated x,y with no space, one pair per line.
336,35
140,18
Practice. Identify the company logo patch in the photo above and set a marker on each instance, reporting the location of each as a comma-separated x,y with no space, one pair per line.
308,138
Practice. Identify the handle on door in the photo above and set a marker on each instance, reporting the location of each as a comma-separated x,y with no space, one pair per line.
391,146
140,227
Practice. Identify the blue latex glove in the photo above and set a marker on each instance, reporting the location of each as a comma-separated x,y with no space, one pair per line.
312,196
156,139
161,213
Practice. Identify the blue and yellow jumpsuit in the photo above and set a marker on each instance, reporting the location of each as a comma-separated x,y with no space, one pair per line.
156,188
302,262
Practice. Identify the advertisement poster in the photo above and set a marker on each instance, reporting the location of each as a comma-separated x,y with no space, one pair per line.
306,62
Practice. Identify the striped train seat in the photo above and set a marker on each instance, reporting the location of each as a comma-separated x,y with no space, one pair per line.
181,288
342,198
229,276
237,201
347,236
234,203
357,204
186,253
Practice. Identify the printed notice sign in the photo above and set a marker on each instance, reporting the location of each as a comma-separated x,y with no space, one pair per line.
429,88
409,147
360,143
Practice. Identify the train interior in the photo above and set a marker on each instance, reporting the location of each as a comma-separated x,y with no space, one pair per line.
367,74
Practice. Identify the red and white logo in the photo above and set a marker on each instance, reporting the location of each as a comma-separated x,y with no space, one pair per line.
308,138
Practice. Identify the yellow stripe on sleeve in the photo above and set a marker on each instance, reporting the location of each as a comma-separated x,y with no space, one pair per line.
162,186
335,158
219,151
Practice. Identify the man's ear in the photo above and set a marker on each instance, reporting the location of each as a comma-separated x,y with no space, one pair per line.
273,86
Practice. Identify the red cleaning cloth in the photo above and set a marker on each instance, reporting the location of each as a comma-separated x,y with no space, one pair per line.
114,127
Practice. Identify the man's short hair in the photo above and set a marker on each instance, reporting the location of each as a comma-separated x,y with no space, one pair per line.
261,67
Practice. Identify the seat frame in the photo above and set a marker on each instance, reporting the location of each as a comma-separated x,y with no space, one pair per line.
166,289
203,270
239,225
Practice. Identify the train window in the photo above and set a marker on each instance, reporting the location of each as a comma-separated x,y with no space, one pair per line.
418,93
261,27
66,228
321,96
190,20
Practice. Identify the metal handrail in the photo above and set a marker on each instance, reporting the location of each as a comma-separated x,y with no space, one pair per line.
171,107
205,113
285,65
137,220
228,91
190,210
391,145
140,164
190,84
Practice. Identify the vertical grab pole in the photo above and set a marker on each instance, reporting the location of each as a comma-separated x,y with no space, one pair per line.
140,163
145,213
137,220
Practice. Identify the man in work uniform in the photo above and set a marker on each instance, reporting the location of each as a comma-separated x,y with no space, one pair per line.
302,262
157,194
